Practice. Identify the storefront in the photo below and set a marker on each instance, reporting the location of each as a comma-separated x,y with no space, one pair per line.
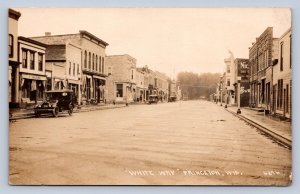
99,86
32,88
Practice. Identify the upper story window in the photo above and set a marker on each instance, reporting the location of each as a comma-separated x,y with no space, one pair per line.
132,74
74,69
96,60
109,70
70,68
85,59
32,60
10,45
281,55
290,51
78,69
89,60
93,58
102,64
228,69
24,59
40,62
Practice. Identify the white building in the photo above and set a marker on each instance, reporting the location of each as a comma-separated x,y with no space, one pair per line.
32,71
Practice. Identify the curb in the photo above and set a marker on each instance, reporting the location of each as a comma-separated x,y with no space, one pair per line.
282,140
32,115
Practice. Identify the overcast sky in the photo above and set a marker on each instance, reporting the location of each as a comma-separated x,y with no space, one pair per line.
165,39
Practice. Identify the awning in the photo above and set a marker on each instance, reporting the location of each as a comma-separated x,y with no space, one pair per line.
70,81
33,77
98,77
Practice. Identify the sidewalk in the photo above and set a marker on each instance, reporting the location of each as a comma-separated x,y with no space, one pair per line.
29,113
280,130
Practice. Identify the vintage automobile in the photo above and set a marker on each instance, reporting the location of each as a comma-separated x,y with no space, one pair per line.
172,98
153,99
56,101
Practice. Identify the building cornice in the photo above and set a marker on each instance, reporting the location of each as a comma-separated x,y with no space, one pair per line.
14,14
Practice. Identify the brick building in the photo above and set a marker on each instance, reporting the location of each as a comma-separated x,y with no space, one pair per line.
261,55
122,78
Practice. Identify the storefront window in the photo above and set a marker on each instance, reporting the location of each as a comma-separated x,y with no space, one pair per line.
119,90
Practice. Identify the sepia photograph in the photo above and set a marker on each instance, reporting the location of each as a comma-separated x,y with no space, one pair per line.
150,96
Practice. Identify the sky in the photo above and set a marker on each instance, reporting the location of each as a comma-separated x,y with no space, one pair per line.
169,40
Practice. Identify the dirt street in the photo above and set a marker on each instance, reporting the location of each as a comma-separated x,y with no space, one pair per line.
181,143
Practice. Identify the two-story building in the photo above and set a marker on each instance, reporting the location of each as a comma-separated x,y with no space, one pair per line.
282,77
13,63
141,88
229,91
122,78
162,83
261,56
32,71
63,67
93,71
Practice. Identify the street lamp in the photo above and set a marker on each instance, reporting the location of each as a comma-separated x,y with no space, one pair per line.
239,95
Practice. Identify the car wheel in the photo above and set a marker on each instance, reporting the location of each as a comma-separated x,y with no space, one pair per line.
37,115
70,111
55,112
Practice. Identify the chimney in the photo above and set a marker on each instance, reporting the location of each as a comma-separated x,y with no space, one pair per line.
47,33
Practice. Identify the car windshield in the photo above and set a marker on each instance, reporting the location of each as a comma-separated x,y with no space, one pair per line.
55,96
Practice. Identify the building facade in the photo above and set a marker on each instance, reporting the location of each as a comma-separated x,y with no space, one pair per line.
122,78
32,71
162,84
282,77
13,63
63,68
261,56
141,88
229,80
92,82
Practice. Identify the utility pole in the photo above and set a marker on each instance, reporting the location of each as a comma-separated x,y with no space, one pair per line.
239,96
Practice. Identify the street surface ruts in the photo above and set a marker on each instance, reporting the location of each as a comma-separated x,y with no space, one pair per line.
181,143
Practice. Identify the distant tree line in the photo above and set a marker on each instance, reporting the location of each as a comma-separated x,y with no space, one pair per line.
196,86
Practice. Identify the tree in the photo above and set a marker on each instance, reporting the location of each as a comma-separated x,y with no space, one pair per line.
196,86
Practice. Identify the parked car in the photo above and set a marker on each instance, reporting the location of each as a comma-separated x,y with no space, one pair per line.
153,99
172,99
56,101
